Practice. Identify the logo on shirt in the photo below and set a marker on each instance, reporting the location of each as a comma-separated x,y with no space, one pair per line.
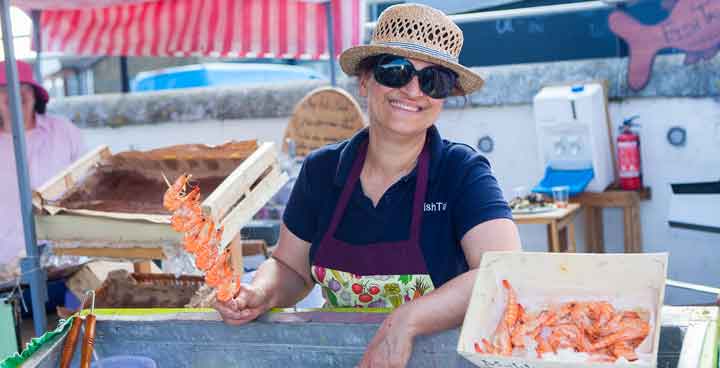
435,206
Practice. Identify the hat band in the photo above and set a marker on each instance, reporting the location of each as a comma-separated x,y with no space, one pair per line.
419,48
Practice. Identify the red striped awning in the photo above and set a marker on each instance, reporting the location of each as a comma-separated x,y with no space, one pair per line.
217,28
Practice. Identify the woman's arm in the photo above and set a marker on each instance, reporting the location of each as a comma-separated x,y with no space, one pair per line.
281,281
443,308
286,276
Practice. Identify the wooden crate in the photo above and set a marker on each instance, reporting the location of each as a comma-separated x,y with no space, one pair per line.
628,281
91,275
122,289
251,176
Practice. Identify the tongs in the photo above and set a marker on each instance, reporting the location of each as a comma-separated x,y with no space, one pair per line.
88,339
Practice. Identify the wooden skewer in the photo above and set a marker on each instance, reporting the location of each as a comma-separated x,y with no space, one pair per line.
72,336
166,179
89,338
70,342
88,342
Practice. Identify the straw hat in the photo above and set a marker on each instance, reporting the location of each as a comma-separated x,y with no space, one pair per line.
418,32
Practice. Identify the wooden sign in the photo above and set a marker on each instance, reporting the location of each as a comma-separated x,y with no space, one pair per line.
693,26
325,115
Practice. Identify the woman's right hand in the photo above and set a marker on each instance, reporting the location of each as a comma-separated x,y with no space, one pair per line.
251,302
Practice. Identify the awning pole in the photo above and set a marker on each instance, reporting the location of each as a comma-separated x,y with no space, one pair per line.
331,42
35,15
124,76
30,265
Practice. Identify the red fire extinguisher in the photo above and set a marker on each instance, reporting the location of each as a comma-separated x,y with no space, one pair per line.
628,156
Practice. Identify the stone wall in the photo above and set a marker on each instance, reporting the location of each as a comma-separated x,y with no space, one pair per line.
505,85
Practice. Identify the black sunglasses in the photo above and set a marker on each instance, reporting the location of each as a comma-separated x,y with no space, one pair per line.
396,71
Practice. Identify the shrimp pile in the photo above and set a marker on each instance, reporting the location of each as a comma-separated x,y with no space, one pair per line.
596,328
201,237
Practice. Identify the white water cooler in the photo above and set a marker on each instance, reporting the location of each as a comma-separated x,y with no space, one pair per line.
573,138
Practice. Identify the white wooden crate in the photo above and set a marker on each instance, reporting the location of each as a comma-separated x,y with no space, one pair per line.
625,280
232,204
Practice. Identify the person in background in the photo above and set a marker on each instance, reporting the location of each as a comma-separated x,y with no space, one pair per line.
395,217
52,144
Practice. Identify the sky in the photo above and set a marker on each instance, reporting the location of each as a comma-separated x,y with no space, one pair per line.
22,31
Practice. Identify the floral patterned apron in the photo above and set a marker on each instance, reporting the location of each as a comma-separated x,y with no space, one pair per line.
378,275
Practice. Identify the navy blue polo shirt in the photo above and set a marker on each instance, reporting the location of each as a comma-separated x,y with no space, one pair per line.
462,193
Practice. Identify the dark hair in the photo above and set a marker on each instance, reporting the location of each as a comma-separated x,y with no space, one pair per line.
369,63
40,104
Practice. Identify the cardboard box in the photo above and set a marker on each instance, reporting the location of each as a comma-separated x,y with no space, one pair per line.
237,179
627,281
93,274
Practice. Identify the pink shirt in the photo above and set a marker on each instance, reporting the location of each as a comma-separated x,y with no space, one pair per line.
54,144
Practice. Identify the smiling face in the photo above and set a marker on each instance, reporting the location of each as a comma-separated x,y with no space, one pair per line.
404,111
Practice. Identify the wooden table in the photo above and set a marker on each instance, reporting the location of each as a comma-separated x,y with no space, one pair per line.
560,227
629,201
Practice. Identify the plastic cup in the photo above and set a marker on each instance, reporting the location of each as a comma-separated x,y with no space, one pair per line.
561,195
520,192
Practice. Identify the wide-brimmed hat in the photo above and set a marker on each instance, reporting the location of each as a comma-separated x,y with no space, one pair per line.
419,32
25,75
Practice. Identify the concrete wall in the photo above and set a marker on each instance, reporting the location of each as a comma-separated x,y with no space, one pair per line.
676,96
694,256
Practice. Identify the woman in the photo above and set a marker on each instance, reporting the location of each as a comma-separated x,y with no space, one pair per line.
52,144
395,216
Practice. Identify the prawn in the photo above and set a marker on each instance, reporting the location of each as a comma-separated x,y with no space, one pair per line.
188,209
191,236
205,258
229,289
199,241
172,196
503,334
512,308
191,225
625,350
220,270
503,343
518,335
200,237
542,346
489,348
631,330
593,327
546,318
601,313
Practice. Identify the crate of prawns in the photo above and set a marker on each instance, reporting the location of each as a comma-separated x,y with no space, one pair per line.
531,309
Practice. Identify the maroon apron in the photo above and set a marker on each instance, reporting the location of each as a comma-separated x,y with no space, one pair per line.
380,275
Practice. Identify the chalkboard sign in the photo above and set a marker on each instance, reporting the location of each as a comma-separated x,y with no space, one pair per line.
569,36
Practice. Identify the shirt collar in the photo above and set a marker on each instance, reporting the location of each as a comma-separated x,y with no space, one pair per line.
40,125
349,151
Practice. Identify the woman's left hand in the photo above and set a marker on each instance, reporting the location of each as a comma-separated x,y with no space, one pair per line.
392,344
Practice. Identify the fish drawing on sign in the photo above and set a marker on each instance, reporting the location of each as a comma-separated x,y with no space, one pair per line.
693,27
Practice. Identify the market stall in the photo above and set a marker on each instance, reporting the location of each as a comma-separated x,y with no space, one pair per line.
289,29
677,336
282,335
590,310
